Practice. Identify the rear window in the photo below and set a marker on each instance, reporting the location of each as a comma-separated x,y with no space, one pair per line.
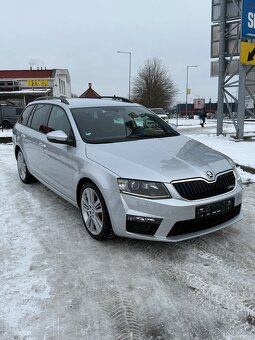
40,117
25,114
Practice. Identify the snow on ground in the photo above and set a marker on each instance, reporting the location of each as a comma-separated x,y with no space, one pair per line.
5,132
57,283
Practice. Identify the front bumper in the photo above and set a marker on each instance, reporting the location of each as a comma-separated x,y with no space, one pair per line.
172,219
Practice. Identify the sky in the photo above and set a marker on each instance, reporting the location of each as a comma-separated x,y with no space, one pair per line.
84,37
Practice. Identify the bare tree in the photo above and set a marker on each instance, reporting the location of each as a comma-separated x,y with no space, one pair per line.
153,87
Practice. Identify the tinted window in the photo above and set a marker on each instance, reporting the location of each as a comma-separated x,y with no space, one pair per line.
25,115
40,117
58,121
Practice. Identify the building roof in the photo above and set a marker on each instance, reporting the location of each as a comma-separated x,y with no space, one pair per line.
90,93
20,74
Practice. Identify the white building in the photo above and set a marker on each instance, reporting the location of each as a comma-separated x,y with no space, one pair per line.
22,86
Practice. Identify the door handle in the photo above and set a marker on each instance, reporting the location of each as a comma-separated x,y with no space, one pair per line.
23,136
42,145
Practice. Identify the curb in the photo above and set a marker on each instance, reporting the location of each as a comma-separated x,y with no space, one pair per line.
5,139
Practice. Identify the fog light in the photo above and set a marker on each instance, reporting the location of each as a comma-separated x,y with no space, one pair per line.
142,224
143,219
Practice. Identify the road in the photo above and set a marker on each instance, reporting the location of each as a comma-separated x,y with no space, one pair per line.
58,283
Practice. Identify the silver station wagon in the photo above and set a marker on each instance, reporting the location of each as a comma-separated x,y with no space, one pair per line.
130,173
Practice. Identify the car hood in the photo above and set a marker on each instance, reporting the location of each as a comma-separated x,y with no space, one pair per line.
159,159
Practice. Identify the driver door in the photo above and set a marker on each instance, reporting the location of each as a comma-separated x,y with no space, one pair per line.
59,166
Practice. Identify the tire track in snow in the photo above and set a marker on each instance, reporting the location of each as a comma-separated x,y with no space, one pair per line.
222,298
230,255
172,271
232,276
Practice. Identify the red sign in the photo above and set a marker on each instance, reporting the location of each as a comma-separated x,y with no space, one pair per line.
199,103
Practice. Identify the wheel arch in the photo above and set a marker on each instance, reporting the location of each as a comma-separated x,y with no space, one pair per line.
4,121
82,181
17,148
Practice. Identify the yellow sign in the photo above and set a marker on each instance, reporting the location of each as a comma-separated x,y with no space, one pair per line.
37,82
247,53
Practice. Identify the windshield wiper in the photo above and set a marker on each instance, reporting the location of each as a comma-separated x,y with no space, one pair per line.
145,136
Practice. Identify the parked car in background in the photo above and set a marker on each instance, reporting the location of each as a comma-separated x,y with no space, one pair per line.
161,113
129,172
9,115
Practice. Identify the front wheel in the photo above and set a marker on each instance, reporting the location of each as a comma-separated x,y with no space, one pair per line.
24,174
94,212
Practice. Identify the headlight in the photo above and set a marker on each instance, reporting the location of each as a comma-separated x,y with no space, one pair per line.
143,188
234,169
238,177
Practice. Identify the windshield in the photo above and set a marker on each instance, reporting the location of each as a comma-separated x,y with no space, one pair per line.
119,123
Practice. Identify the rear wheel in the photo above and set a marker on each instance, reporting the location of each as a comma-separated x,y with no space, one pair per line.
94,212
6,124
24,174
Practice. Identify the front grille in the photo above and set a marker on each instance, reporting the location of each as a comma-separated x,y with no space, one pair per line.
198,189
191,226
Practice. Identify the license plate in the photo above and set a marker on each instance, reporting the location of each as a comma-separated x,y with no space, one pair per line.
214,209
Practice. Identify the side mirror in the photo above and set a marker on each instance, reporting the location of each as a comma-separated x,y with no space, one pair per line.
57,136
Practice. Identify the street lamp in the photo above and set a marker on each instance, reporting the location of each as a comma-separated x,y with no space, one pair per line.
129,72
187,82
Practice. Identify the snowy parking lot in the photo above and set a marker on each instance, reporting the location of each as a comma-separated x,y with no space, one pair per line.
59,283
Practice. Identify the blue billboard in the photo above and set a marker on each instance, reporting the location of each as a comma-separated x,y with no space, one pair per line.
248,19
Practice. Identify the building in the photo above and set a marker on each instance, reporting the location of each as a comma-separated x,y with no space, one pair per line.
20,87
211,109
90,93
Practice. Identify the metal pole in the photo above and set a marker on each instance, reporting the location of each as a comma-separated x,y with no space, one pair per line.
222,67
187,79
187,83
241,96
241,102
129,72
1,117
129,84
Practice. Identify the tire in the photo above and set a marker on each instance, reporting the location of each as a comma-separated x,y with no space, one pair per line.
24,174
6,124
94,212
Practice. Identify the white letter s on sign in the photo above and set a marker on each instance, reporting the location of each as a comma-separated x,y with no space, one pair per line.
251,20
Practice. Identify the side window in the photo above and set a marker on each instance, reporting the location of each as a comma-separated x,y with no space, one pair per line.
25,114
40,117
58,121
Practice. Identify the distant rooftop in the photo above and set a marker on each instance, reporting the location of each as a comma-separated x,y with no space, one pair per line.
90,93
20,74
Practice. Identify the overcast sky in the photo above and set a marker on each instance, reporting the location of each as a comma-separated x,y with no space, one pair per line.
84,37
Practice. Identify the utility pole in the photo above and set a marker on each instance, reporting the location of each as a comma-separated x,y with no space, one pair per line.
222,67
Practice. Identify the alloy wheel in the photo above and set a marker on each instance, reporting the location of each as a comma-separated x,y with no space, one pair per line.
22,168
92,211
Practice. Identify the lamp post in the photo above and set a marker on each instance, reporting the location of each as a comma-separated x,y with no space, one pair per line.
187,83
129,72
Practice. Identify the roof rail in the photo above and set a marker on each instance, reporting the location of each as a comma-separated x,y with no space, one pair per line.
63,99
117,98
